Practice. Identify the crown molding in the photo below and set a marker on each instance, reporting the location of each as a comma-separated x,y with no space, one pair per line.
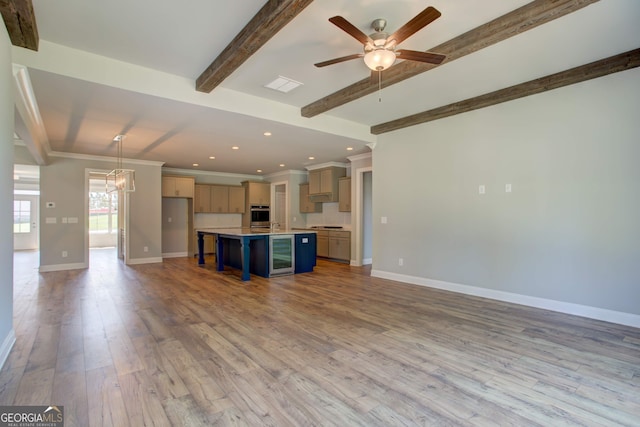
326,165
192,172
357,157
289,172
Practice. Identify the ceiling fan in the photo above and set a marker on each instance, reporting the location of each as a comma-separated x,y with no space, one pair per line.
380,47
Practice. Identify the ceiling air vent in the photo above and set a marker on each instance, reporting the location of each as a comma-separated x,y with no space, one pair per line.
283,84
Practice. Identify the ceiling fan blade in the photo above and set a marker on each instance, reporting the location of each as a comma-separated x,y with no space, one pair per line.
420,21
337,60
414,55
350,29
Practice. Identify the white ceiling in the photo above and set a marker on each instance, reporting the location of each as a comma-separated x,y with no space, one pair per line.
83,109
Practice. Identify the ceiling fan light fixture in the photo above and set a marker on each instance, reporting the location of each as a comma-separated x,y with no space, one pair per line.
379,59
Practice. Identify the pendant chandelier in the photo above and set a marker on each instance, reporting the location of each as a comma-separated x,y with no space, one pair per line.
119,179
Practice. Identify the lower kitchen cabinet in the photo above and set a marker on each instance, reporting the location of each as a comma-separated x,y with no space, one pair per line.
340,245
323,244
334,245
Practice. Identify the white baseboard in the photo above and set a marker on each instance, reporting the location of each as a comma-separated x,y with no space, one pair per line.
136,261
62,267
175,255
6,347
618,317
367,261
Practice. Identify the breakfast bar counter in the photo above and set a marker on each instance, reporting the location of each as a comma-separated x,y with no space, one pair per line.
261,251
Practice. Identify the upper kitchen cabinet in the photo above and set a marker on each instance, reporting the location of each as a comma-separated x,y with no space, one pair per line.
212,198
257,193
202,199
306,205
344,194
236,199
178,186
219,199
323,183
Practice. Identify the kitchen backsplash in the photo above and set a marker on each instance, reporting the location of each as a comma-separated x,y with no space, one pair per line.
329,216
205,220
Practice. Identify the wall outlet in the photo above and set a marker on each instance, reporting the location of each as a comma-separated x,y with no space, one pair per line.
383,220
146,249
507,188
169,219
65,254
400,262
481,189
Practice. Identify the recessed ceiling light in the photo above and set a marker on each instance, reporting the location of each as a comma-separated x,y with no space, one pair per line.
212,157
235,147
283,84
312,158
259,171
267,134
196,164
281,165
349,148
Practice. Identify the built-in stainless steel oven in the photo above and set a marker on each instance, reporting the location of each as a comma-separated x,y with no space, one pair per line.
260,216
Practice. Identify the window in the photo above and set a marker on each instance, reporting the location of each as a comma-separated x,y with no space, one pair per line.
21,216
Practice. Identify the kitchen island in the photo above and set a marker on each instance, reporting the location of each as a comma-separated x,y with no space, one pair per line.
261,251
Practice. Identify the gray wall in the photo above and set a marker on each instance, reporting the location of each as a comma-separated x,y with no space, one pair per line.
6,194
570,229
175,225
63,182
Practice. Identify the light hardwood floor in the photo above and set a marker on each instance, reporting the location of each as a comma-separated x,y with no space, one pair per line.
177,344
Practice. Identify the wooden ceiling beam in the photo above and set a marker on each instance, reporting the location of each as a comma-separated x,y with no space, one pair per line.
529,16
613,64
20,20
273,16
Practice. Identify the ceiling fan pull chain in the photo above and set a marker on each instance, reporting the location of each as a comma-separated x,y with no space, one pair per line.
379,85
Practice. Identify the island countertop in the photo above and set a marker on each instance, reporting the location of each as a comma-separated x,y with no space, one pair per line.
245,231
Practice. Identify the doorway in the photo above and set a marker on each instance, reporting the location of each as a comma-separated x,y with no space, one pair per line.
362,235
367,217
25,222
279,211
103,215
